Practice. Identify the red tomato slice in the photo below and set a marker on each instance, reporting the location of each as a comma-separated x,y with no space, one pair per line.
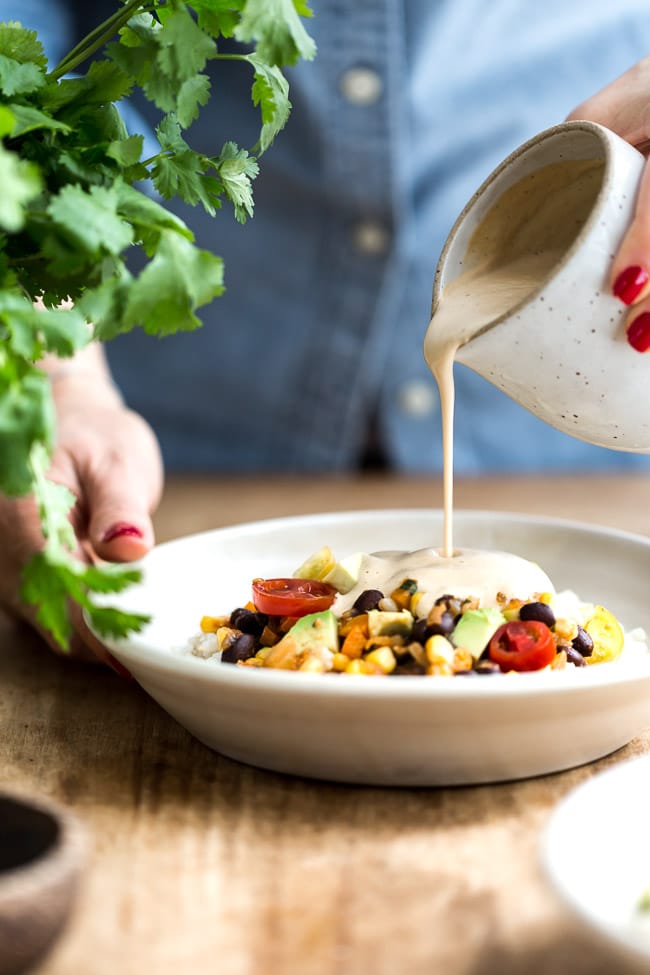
522,645
292,597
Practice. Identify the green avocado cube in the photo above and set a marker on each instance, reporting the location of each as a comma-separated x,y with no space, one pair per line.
475,629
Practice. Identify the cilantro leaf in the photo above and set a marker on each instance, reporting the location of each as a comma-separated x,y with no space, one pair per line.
184,47
271,92
54,576
236,170
22,61
91,218
179,171
178,280
31,331
218,17
277,30
126,152
17,78
27,119
193,93
20,182
21,44
26,419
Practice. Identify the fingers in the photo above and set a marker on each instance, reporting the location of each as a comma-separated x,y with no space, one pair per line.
121,482
624,107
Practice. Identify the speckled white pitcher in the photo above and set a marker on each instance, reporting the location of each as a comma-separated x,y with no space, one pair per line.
562,352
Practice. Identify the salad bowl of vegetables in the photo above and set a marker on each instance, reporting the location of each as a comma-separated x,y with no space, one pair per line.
429,704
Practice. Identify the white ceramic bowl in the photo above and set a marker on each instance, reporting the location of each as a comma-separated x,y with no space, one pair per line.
596,853
390,731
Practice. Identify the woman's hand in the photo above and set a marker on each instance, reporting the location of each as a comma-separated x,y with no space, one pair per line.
624,107
109,458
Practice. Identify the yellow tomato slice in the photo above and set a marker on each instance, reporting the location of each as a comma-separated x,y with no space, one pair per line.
607,634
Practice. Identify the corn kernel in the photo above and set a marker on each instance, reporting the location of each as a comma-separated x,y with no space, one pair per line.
415,599
340,662
566,630
226,635
462,660
439,650
263,653
440,669
384,658
210,624
313,664
545,597
361,667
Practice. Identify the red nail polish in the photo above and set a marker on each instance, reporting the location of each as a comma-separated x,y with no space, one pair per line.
121,529
638,334
630,283
118,668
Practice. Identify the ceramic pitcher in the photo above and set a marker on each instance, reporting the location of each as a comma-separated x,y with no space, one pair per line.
562,352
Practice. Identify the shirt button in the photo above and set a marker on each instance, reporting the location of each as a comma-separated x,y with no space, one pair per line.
417,398
371,238
361,86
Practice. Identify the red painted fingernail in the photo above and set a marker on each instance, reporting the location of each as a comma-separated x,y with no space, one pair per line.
118,668
638,334
121,529
630,283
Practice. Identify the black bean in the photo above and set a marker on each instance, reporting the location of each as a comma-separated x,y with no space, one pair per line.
444,599
541,612
583,643
573,656
419,631
248,621
487,667
444,627
409,668
422,630
242,648
368,600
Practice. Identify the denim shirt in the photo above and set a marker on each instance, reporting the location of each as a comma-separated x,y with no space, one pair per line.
316,346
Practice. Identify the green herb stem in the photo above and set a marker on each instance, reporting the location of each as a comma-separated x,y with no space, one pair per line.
98,37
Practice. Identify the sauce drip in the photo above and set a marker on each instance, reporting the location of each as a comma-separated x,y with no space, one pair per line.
509,256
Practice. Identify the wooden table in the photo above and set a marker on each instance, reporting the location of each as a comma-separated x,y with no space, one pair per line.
201,865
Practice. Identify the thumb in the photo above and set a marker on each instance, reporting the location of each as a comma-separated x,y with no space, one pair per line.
119,506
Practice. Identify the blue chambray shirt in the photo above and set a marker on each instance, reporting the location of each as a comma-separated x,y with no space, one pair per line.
317,344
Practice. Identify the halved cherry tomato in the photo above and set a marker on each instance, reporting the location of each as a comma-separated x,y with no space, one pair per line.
522,645
292,597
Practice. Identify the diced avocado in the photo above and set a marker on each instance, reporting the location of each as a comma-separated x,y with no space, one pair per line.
345,574
317,565
316,632
475,628
384,623
316,628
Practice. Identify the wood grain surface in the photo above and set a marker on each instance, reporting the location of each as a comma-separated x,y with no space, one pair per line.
201,865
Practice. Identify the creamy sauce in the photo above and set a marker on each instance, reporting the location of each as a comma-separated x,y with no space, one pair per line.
469,573
509,256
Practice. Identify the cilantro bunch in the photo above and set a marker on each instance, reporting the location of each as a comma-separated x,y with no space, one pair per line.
71,208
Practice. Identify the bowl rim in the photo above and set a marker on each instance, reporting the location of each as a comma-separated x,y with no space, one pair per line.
172,661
